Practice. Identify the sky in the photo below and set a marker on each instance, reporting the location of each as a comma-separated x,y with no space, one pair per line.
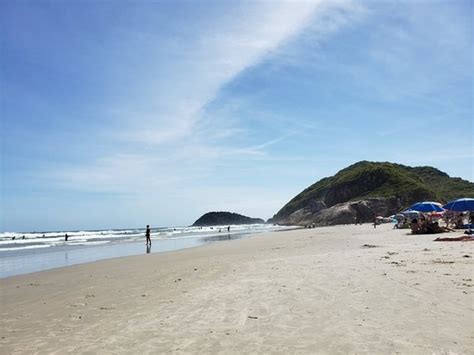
118,114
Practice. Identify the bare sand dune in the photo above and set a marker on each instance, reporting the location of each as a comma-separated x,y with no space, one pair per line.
345,289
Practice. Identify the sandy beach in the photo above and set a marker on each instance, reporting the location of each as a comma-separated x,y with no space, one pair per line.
343,289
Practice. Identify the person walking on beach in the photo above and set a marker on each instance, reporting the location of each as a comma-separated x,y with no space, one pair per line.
147,234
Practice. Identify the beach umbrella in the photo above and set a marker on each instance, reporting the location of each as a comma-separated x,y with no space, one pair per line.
461,205
427,206
409,211
410,214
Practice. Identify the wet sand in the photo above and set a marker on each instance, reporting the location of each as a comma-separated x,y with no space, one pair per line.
344,289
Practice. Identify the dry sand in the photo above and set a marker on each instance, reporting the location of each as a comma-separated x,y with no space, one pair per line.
306,291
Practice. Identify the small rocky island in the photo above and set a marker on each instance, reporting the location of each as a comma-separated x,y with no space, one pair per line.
225,218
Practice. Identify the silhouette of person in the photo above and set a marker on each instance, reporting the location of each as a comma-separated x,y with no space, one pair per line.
66,237
148,236
228,229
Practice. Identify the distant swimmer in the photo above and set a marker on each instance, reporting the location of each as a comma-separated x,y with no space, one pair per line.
13,238
147,234
23,237
228,229
66,237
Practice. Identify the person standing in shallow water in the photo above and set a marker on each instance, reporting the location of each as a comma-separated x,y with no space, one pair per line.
147,234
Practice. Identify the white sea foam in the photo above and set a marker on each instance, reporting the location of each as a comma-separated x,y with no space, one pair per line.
26,247
34,240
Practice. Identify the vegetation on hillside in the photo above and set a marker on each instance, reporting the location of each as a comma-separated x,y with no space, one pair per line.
366,179
225,218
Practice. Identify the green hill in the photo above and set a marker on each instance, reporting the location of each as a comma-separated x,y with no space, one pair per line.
364,180
225,218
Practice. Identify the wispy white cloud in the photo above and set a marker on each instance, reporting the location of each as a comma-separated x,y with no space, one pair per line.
207,61
170,120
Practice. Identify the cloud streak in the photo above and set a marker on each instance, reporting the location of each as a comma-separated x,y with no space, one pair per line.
170,121
237,41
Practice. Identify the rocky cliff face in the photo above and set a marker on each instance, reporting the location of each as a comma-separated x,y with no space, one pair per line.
344,213
365,189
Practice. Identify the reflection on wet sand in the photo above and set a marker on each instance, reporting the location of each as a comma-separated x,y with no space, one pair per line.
221,237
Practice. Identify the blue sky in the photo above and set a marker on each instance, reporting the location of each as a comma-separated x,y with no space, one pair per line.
127,113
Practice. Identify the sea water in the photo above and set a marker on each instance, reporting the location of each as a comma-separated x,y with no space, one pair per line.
22,253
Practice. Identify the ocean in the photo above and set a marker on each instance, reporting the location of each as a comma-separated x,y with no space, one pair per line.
22,253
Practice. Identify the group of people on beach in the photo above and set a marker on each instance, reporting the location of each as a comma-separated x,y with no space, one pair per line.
427,225
424,226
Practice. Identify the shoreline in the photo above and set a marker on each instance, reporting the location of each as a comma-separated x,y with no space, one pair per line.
19,262
124,257
328,289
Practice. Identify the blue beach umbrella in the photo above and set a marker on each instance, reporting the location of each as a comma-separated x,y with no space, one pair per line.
461,205
427,206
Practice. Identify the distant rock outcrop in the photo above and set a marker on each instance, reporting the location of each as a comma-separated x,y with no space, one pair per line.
225,218
365,189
